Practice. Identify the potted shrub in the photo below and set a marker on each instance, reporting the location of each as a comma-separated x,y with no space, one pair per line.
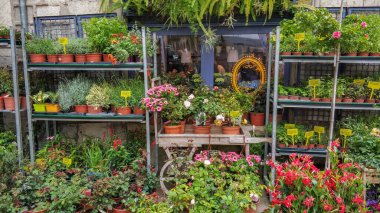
4,32
36,47
78,47
119,49
53,106
72,93
52,51
39,100
99,32
98,98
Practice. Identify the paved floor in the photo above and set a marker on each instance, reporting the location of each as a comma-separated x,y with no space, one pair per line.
264,203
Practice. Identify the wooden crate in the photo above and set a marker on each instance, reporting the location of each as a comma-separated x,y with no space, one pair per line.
370,176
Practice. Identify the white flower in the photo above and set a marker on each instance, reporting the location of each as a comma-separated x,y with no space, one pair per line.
187,104
192,177
191,97
255,198
192,202
220,117
207,162
205,101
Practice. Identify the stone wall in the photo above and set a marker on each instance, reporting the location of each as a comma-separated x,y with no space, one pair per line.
347,3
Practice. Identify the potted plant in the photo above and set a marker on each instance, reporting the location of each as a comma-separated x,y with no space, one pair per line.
78,47
53,106
4,32
98,98
350,35
72,93
246,102
6,86
282,92
282,137
121,105
99,32
303,93
359,93
326,90
137,87
68,56
340,89
36,47
349,93
293,93
52,51
231,114
257,116
119,49
288,45
39,100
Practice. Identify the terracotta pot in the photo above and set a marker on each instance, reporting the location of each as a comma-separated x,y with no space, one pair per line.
321,146
52,58
93,57
257,119
347,100
304,98
308,53
95,110
351,54
315,99
52,107
294,97
23,102
338,100
115,210
329,54
293,146
37,58
231,130
286,53
1,103
303,146
311,146
39,107
326,100
9,103
359,100
80,58
319,54
123,110
106,58
183,125
283,97
281,145
250,210
81,109
374,54
202,129
370,101
138,111
66,58
172,129
363,54
296,53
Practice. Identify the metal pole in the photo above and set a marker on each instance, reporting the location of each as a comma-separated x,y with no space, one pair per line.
16,97
336,71
275,96
23,15
146,77
27,93
155,113
269,69
154,56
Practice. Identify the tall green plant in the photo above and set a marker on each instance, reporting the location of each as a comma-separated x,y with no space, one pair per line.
73,92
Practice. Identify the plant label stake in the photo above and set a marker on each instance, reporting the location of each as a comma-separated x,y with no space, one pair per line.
292,132
67,161
373,85
346,133
359,82
290,126
320,130
63,42
308,135
314,83
125,94
299,37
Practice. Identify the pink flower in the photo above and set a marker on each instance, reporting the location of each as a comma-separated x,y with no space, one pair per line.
358,200
250,163
336,34
216,87
248,158
308,202
364,24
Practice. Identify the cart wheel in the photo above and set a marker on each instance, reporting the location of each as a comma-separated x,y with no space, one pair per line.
169,170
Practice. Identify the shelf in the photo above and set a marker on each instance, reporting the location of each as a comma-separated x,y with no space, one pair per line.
359,60
327,105
103,66
330,59
82,117
10,111
189,139
311,152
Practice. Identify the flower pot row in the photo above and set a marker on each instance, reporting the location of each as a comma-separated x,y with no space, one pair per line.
180,129
302,146
326,100
83,109
8,103
78,58
327,54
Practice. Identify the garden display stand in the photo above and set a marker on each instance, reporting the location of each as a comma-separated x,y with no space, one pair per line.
88,67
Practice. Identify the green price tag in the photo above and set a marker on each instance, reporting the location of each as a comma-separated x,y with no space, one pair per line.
63,42
290,126
308,135
346,133
314,83
373,85
67,161
299,37
292,132
359,81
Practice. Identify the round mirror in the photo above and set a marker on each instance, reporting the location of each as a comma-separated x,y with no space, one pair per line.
248,75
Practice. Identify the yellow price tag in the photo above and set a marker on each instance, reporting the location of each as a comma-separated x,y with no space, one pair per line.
345,133
125,94
308,135
234,114
373,85
359,81
290,126
63,42
319,129
292,132
67,161
314,82
299,36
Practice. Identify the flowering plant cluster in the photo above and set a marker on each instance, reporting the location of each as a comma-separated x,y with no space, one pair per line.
216,181
301,187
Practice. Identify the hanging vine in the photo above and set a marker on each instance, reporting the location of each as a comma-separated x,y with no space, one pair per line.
196,12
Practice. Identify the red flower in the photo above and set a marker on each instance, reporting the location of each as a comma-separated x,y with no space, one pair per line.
307,181
309,202
288,200
342,208
117,143
290,177
335,143
358,200
327,207
339,200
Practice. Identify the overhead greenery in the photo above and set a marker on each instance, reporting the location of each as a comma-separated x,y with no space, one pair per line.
198,12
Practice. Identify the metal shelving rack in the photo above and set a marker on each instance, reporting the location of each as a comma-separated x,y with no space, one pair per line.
12,42
88,67
333,106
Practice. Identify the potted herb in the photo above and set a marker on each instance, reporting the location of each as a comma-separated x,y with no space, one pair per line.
326,90
4,32
282,92
72,93
359,93
287,46
293,93
78,47
39,100
52,51
349,93
303,93
68,56
340,87
36,47
98,98
137,87
53,106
